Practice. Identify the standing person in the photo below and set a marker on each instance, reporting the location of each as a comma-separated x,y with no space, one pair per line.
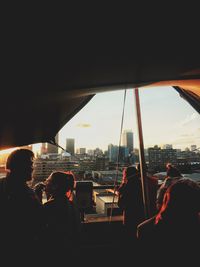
130,200
172,176
22,221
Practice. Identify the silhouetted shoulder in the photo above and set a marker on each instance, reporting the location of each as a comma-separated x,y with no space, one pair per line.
145,230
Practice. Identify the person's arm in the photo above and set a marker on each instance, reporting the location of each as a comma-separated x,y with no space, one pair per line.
38,189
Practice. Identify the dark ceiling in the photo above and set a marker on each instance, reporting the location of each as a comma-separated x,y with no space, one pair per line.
45,81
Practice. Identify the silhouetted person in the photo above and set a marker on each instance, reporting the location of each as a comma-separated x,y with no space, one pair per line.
72,198
21,221
175,230
172,175
62,231
130,200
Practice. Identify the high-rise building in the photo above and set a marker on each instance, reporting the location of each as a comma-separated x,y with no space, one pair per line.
123,153
112,152
127,140
53,148
70,145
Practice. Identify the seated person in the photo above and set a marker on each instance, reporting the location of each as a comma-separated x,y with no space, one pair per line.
62,225
176,226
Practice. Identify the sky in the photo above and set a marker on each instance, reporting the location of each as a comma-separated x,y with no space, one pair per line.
166,119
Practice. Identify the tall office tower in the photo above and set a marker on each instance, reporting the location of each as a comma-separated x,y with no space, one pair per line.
112,152
127,140
52,148
70,145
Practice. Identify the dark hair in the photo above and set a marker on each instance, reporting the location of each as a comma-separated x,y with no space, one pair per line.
131,171
18,158
173,171
181,201
59,180
185,193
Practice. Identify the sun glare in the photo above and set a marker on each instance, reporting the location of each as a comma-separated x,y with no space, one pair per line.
7,151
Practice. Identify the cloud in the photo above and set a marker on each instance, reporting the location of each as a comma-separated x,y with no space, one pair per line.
184,141
83,125
189,119
188,139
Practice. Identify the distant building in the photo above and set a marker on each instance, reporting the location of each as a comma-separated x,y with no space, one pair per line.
43,148
167,146
158,158
155,157
90,152
118,153
2,171
101,163
87,165
178,152
127,140
81,151
193,147
45,166
112,152
123,153
98,152
52,148
47,148
70,145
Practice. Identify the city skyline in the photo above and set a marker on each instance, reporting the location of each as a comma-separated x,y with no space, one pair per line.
166,119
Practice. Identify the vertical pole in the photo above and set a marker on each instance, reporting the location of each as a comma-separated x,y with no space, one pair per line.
142,157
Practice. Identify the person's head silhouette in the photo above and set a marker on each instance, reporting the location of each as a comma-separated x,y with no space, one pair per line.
181,202
57,184
20,164
129,173
172,171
